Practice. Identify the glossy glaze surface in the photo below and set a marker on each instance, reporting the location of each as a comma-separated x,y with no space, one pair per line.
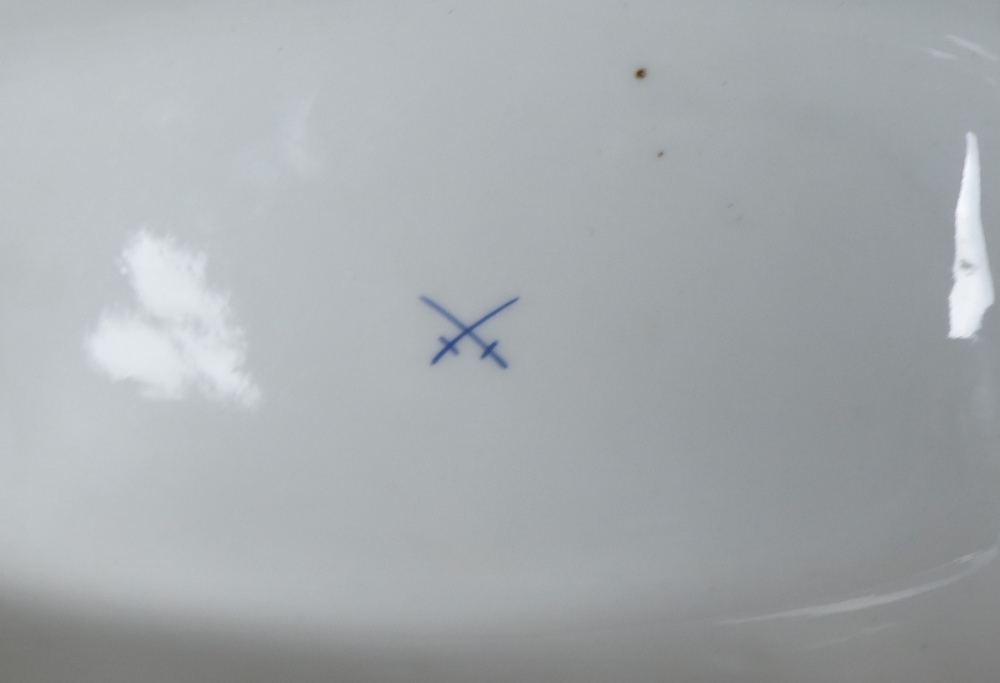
580,342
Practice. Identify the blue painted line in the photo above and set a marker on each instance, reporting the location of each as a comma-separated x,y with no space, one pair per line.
489,349
468,331
461,326
454,349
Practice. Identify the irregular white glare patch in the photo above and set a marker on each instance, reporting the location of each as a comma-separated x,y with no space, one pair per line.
180,336
972,292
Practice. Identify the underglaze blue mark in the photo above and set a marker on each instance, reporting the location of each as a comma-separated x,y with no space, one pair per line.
450,345
489,349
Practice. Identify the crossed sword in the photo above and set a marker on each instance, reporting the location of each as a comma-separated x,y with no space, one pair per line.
468,331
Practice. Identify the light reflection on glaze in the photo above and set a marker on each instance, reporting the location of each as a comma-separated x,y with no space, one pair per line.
939,54
972,292
956,570
296,146
180,337
974,48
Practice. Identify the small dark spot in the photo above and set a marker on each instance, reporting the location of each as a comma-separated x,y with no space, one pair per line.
640,74
966,265
729,206
660,153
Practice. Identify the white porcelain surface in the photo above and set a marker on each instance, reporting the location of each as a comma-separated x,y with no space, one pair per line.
740,421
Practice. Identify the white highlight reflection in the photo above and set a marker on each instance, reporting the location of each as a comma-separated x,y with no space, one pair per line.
939,54
180,337
974,48
954,571
295,138
972,292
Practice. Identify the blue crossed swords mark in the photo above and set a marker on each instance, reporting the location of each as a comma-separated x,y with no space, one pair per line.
450,345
